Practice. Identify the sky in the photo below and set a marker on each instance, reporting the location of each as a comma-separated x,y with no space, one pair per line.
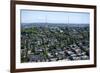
40,16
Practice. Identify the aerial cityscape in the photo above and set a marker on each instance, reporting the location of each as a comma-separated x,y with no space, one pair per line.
48,36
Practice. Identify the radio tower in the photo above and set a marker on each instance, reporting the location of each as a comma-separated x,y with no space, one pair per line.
68,19
46,23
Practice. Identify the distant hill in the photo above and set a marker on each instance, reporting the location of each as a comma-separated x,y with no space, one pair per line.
29,25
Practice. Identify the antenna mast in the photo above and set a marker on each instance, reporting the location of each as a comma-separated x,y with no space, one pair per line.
45,21
68,19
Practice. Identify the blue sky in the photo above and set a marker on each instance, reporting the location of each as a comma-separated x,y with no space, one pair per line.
32,16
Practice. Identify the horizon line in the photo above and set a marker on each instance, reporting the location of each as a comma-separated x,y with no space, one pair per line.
52,23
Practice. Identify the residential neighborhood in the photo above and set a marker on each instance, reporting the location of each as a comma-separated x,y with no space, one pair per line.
54,42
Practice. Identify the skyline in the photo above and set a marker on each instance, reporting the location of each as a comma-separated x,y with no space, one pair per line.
40,16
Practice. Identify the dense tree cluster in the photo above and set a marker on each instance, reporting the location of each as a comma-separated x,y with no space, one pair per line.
44,44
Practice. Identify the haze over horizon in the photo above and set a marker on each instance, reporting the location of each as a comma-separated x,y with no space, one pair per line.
34,16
